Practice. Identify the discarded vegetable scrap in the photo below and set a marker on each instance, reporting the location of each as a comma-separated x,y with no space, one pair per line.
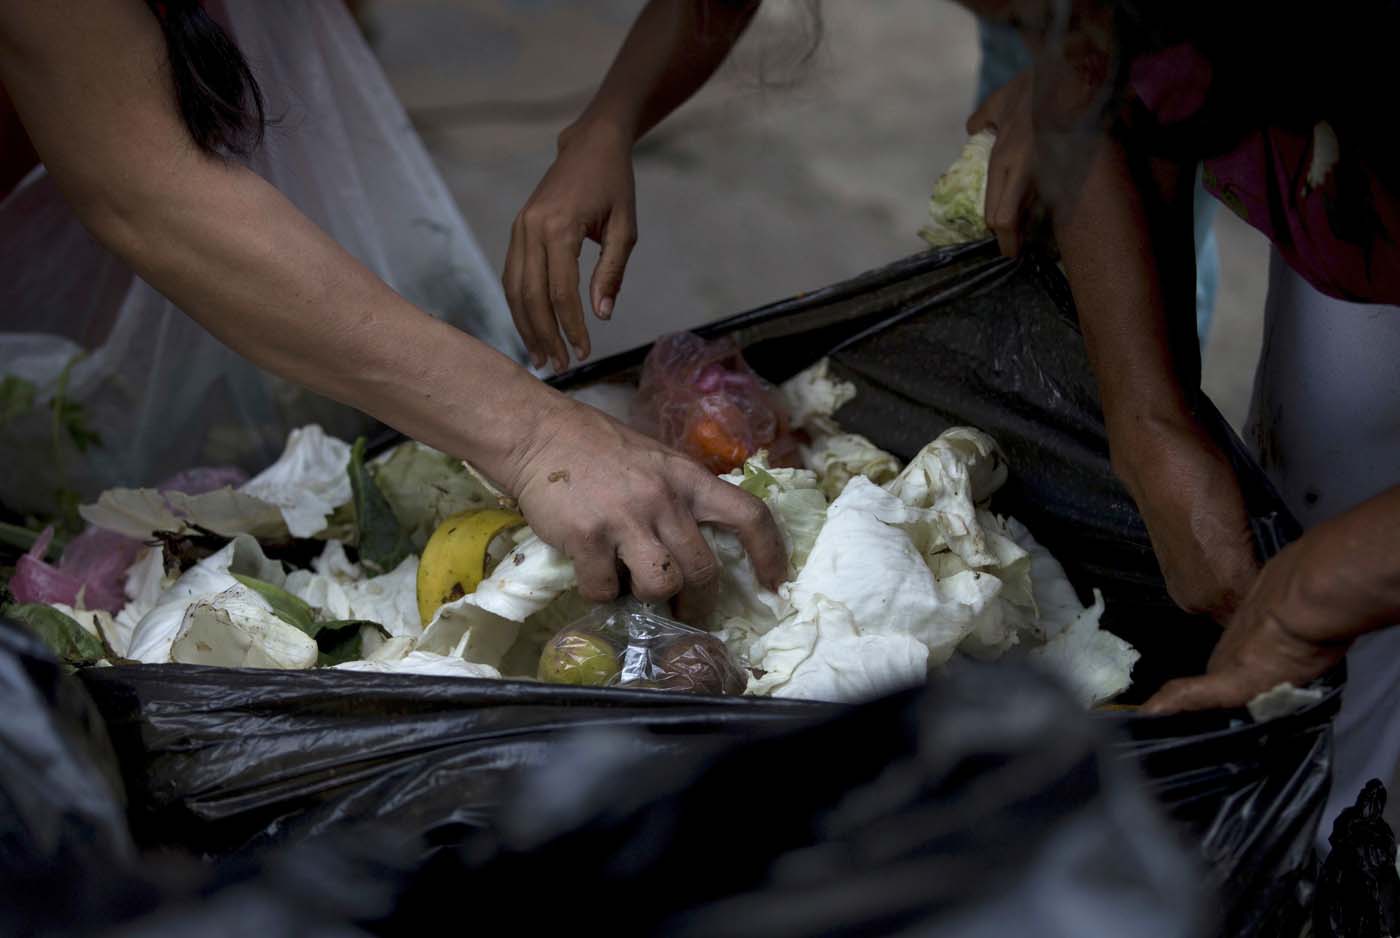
415,567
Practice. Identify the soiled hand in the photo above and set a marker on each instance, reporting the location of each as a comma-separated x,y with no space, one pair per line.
605,494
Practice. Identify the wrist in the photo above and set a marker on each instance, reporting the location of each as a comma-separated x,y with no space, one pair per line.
436,384
612,128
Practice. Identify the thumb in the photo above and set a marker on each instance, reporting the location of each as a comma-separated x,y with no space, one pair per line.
618,240
1208,692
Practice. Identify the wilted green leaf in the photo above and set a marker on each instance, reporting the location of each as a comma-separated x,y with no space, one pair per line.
290,609
757,482
339,640
67,639
71,416
425,487
383,543
16,397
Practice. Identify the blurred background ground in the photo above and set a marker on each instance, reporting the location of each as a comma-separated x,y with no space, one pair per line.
767,184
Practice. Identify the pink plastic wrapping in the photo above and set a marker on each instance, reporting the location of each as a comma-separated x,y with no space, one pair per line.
203,479
94,563
703,399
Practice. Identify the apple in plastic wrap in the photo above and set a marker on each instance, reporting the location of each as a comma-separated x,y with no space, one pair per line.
581,657
699,664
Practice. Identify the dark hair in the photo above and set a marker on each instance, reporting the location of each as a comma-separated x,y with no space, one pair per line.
218,97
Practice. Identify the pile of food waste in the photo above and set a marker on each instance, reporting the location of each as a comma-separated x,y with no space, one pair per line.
412,562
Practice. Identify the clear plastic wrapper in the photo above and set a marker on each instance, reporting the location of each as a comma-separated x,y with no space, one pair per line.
702,398
628,645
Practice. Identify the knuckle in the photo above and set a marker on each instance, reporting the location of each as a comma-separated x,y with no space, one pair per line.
589,536
652,493
556,226
531,295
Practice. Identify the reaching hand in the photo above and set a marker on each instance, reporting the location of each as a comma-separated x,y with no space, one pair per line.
1010,171
603,493
1278,635
587,193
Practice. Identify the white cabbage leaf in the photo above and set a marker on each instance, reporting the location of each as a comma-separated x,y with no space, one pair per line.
146,580
308,482
814,395
950,477
956,208
866,560
1096,664
820,654
238,629
155,633
296,495
838,457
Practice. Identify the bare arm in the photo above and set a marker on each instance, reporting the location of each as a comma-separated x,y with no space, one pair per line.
672,50
235,255
228,248
1127,247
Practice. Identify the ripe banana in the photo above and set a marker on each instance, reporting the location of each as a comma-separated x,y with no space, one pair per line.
453,563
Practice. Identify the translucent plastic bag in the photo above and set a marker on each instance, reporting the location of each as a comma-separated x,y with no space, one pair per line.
159,391
628,645
702,398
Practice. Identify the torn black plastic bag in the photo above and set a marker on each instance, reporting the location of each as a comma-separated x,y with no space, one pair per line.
216,760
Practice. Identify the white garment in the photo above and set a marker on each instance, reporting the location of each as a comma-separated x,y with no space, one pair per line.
1325,422
163,393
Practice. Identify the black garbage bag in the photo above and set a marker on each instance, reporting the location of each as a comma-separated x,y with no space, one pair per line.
69,866
1358,892
219,761
980,805
985,804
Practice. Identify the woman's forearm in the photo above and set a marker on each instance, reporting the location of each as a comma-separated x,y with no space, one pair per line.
1121,263
671,51
1352,567
235,255
231,251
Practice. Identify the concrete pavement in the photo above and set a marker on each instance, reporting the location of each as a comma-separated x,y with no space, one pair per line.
772,181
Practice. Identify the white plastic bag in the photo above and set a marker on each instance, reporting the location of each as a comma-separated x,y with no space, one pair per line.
164,394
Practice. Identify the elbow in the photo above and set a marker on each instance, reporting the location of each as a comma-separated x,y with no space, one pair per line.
120,222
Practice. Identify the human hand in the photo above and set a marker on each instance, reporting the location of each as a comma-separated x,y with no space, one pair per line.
1338,582
1280,634
1189,497
603,493
1010,170
587,193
